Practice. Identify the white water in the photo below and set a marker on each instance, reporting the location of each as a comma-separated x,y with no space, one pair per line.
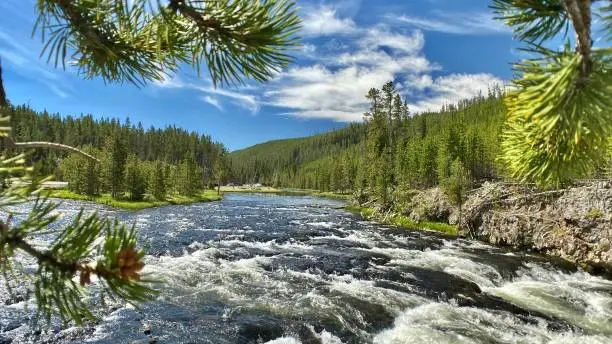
257,269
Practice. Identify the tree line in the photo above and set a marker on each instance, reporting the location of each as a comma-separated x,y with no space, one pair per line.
456,148
391,147
132,162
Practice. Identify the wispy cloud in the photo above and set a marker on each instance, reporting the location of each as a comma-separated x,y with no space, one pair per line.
461,23
245,101
335,86
213,101
322,21
20,60
449,89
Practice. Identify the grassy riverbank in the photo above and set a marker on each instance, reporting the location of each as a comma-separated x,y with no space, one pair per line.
106,199
402,221
284,192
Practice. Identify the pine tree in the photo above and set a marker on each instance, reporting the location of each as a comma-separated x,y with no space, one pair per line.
157,181
220,169
82,173
135,179
456,183
115,168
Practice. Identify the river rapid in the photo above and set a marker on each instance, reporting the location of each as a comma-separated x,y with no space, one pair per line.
288,270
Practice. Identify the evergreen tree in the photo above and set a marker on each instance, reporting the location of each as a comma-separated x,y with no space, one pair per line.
220,170
187,177
135,179
115,167
157,181
456,184
82,173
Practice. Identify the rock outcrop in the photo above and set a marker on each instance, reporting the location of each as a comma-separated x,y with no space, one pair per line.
574,223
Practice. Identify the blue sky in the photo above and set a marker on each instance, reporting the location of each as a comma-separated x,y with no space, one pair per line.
437,51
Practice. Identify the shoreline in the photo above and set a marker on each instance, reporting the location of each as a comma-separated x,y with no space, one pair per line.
107,200
572,224
287,192
403,222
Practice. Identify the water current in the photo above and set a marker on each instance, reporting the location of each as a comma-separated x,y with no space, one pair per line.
288,270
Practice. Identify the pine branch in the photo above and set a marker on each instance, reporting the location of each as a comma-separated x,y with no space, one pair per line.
579,12
52,145
83,26
236,39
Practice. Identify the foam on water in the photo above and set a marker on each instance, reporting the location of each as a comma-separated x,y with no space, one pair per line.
268,269
578,298
441,323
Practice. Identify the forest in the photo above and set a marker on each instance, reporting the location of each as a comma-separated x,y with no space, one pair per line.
393,149
133,162
410,148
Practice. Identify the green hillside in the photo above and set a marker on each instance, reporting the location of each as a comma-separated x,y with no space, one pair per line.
413,146
276,162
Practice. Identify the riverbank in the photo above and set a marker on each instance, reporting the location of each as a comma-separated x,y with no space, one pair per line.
574,224
284,192
402,221
106,199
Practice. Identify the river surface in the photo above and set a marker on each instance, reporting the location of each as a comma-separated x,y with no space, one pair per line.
280,269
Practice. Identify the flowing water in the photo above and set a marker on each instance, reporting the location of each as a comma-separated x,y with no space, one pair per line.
278,269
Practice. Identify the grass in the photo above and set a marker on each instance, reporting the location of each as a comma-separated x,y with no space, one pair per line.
403,221
284,192
334,195
106,199
594,213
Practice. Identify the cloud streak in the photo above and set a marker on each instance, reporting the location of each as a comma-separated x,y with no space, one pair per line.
462,23
245,101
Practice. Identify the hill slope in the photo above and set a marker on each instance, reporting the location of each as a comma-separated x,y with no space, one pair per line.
276,162
338,160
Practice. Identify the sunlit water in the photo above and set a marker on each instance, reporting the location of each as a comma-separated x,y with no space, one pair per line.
272,269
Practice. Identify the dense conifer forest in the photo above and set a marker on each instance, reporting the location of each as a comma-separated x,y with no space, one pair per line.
456,148
391,145
133,161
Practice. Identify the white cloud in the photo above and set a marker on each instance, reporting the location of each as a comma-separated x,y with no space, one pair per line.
319,91
382,37
309,49
323,22
335,87
475,23
450,89
245,101
213,101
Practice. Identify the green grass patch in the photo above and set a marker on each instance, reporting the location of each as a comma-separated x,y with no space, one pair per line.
106,199
285,192
333,195
402,221
594,213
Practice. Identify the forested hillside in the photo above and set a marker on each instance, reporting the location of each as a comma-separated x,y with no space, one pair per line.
392,144
279,162
133,160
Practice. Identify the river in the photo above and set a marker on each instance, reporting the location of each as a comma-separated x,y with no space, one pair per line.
283,269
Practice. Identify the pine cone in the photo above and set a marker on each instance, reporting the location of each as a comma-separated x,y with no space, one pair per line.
129,264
